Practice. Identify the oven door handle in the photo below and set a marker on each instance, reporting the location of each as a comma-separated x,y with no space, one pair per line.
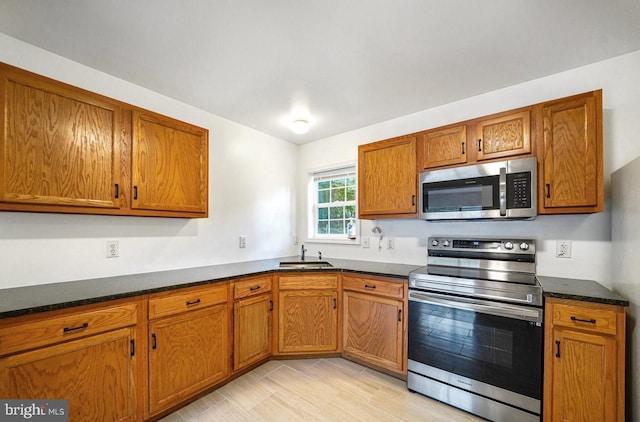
493,308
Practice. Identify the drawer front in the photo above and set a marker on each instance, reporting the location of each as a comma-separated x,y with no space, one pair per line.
308,282
255,286
373,286
601,319
177,301
29,335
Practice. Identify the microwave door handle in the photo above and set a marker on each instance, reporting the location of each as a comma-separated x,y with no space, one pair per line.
503,191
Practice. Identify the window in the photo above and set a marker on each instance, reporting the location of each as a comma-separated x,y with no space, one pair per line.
333,204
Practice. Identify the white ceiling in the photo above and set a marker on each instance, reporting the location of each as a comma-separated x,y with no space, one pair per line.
350,63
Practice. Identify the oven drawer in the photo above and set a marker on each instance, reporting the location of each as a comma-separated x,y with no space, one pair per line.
585,316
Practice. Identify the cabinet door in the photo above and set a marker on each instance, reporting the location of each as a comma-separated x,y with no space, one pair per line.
59,145
169,164
572,161
503,136
373,330
96,375
387,178
188,353
584,377
443,147
252,319
308,321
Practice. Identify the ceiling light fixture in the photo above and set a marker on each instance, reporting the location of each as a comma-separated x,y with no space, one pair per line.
300,126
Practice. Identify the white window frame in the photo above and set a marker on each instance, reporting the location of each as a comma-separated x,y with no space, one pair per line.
312,209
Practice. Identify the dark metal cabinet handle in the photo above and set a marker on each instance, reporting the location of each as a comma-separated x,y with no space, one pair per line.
548,186
335,303
193,302
154,341
413,200
463,148
135,192
590,321
117,191
70,329
369,286
254,288
133,347
557,348
399,315
479,145
270,305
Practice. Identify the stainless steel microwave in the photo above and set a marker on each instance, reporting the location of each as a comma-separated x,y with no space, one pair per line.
496,190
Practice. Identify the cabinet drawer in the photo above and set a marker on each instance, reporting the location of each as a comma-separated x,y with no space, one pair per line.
601,318
308,282
251,287
29,335
374,286
175,302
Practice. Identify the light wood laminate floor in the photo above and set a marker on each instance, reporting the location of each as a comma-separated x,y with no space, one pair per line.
316,390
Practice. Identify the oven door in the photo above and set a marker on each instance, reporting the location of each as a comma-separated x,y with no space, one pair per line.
494,343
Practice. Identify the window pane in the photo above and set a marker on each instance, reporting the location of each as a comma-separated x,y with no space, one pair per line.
350,211
351,193
337,183
323,227
351,181
336,212
323,213
323,196
324,185
337,194
337,227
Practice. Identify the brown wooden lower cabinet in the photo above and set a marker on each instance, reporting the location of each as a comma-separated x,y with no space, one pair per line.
584,361
375,322
89,358
188,351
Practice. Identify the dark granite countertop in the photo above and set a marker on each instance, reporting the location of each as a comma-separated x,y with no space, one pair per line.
584,290
48,297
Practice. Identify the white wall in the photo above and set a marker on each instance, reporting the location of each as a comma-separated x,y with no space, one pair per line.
590,234
251,192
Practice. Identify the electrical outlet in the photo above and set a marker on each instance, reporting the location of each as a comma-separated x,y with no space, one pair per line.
563,249
390,243
365,242
113,249
243,242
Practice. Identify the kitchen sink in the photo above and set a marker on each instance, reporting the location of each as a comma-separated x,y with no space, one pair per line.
303,264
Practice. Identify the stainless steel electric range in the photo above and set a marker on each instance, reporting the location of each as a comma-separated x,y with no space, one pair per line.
475,327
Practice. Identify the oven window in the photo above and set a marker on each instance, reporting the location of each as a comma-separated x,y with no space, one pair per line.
500,351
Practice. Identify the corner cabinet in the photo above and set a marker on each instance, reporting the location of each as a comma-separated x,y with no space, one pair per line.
67,150
308,314
584,361
388,179
189,344
89,357
375,322
571,161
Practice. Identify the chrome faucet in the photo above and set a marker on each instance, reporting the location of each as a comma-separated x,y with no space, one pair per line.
302,250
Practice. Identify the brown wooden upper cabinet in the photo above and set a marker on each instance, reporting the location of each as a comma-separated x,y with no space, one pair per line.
503,136
571,161
67,150
444,146
388,178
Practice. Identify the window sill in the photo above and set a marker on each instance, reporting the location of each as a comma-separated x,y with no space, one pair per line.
355,241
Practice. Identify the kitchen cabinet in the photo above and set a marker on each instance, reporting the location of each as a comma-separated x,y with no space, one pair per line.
189,343
67,150
571,161
88,356
169,164
584,361
375,322
503,135
308,314
252,321
444,146
388,179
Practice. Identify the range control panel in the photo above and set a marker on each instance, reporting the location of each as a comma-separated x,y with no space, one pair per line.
491,245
